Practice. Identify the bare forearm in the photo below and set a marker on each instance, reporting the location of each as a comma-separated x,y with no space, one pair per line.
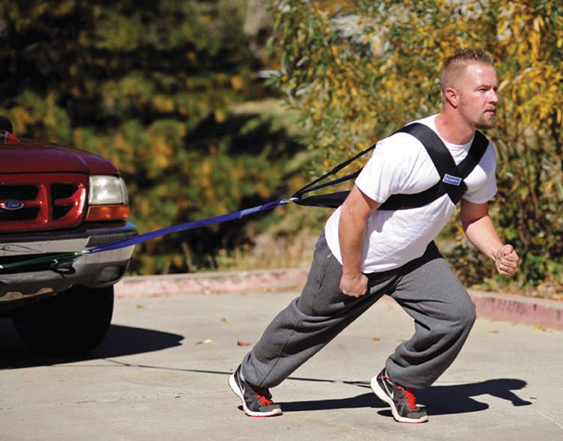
351,229
481,232
483,235
350,234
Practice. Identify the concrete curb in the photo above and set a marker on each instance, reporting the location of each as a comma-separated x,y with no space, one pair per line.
507,307
212,283
511,307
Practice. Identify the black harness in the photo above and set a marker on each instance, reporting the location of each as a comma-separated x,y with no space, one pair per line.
451,181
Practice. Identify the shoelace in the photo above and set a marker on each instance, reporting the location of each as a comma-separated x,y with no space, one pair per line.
264,396
409,394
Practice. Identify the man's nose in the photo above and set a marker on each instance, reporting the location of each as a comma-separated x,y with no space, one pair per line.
493,97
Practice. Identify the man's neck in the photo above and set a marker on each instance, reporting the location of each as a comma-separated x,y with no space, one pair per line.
453,129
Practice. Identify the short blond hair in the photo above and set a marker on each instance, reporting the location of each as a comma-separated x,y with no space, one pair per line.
454,67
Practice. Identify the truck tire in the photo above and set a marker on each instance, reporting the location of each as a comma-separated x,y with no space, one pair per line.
72,322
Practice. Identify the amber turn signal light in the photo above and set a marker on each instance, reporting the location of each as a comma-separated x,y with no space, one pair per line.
97,213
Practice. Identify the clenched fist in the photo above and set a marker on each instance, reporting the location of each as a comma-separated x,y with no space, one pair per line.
506,260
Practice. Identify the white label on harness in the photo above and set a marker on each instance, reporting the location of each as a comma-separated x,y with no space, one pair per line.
452,180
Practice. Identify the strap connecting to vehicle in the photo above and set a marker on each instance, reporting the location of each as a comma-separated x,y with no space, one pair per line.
312,186
331,200
64,257
188,226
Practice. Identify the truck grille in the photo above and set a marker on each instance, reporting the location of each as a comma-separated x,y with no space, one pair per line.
38,202
19,192
26,213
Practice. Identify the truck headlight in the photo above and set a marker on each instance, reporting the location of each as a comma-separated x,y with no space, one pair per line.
107,199
105,190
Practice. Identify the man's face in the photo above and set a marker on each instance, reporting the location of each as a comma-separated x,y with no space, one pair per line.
478,95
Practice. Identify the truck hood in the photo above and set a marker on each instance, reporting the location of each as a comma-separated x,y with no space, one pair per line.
27,156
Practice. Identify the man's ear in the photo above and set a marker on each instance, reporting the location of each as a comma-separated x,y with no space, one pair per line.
452,97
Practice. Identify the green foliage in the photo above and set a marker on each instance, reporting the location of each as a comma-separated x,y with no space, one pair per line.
155,87
358,70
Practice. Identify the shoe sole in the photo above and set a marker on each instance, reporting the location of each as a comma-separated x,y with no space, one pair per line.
236,390
387,399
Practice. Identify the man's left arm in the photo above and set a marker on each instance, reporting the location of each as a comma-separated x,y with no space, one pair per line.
481,232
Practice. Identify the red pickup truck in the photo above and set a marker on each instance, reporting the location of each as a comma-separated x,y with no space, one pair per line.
56,199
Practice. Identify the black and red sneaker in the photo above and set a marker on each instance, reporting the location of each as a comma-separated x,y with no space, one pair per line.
401,399
256,401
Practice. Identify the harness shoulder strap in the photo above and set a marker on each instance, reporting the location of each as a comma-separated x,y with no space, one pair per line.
450,181
476,152
451,175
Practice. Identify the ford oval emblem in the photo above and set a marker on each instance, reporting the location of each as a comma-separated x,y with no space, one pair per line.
12,205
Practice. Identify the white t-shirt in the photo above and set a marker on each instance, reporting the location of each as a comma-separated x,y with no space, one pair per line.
400,164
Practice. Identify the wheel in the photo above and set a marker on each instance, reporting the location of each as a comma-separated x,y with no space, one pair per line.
70,323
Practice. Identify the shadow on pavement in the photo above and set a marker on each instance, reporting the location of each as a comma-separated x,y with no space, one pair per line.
443,400
439,400
120,340
359,401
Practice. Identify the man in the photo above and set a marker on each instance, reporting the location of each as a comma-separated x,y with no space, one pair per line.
367,251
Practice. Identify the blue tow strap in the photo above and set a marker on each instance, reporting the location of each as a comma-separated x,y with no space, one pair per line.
63,257
187,226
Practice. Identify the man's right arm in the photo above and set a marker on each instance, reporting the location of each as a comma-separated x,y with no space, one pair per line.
353,220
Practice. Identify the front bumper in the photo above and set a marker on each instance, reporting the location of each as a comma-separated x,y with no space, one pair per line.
18,287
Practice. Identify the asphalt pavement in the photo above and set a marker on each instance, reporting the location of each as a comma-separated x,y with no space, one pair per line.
162,374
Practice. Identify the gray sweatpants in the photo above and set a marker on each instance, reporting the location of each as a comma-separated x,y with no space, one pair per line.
426,288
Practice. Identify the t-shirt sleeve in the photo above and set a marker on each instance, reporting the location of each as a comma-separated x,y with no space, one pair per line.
488,190
384,173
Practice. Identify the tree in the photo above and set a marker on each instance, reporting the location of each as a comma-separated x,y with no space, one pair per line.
358,70
157,88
